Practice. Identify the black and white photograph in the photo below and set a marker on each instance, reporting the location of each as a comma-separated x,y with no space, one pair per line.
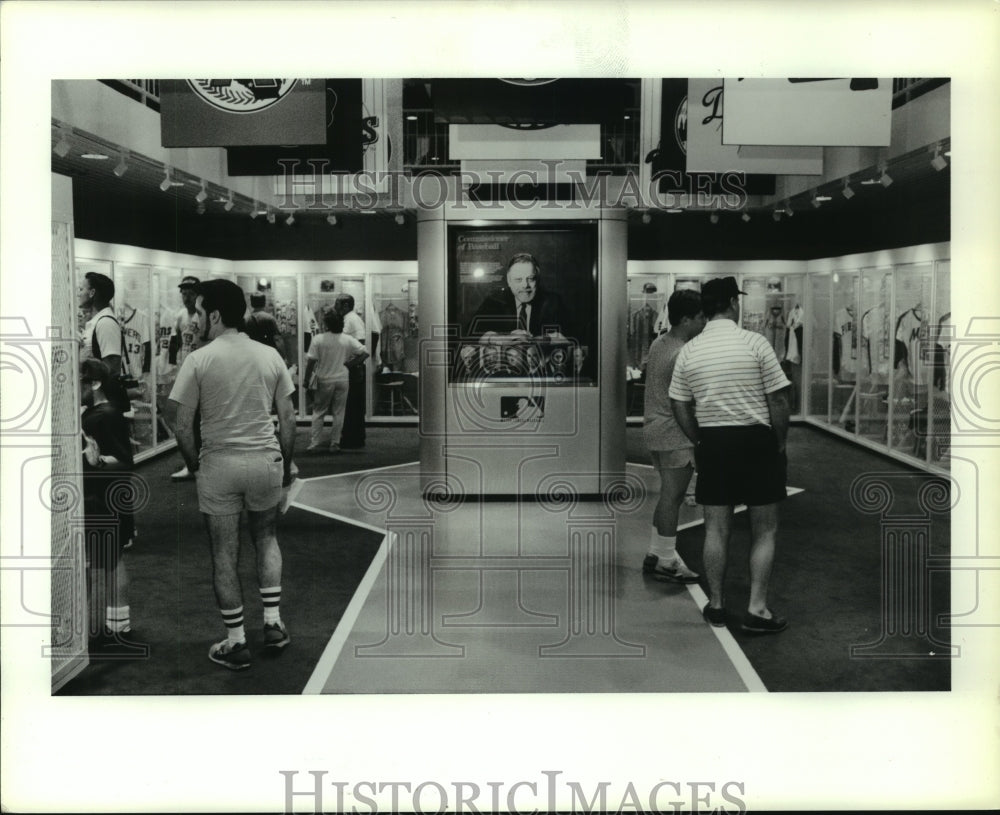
618,438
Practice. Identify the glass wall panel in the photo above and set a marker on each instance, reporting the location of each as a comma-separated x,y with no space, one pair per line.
874,348
913,370
773,308
845,350
647,316
820,347
937,428
133,285
395,359
166,306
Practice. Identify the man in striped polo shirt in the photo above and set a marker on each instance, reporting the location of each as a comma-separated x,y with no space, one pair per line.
728,393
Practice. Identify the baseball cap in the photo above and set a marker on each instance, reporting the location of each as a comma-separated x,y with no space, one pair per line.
189,282
721,289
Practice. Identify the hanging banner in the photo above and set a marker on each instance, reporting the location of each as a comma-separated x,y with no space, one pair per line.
533,102
341,152
669,159
231,112
498,142
707,153
820,112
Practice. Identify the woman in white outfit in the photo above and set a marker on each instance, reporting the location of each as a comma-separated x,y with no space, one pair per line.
326,374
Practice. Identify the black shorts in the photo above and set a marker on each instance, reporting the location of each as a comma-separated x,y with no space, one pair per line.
739,465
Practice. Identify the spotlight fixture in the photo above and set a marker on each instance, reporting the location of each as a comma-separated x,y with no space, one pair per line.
290,219
331,219
885,179
646,217
815,201
939,162
271,217
848,192
229,203
776,215
675,211
400,219
202,196
714,217
95,156
167,182
122,167
254,213
62,146
200,209
745,217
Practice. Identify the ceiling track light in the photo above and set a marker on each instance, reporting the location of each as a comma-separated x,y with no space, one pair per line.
745,217
202,196
714,217
776,215
229,203
884,178
271,217
848,192
646,217
200,209
122,167
254,213
290,219
331,219
62,146
939,162
167,182
400,219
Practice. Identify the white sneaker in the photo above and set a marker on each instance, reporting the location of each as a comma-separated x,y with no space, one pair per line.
674,570
182,474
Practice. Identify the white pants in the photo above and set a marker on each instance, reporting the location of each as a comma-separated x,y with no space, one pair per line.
330,397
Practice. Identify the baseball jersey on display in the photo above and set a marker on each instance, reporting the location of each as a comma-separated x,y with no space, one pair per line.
136,330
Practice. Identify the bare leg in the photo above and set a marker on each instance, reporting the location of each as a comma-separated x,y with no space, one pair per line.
224,538
673,482
265,540
763,531
718,526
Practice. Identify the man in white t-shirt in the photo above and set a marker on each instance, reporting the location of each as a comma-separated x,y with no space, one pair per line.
328,359
102,335
728,396
234,382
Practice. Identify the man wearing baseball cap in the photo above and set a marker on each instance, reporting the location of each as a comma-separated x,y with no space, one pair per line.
186,337
728,394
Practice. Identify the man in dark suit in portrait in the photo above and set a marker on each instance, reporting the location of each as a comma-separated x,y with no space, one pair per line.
522,305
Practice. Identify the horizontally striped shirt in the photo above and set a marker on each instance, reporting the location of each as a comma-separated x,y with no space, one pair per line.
728,372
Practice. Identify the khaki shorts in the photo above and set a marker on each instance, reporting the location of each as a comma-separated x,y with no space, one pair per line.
231,482
672,459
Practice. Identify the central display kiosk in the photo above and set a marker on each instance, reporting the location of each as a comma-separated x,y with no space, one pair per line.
522,324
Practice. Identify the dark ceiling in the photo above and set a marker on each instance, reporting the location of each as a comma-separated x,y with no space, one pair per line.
131,209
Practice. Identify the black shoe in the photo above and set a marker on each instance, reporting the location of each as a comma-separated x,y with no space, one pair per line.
714,616
117,645
753,624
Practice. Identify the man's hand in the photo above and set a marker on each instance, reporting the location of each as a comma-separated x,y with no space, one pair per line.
91,452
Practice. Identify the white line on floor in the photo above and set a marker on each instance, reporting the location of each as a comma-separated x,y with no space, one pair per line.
321,673
362,472
344,518
736,656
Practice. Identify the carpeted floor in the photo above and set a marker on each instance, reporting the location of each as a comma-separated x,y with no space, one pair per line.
827,580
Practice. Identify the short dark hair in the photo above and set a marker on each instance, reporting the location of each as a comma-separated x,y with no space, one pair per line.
523,257
225,297
683,303
257,300
102,284
345,302
93,370
333,321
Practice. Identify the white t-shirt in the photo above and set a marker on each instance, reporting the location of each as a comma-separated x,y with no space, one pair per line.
330,352
109,335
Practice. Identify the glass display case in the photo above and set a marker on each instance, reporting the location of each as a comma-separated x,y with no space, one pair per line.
647,317
774,307
395,360
912,371
320,293
281,300
133,309
878,357
819,352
